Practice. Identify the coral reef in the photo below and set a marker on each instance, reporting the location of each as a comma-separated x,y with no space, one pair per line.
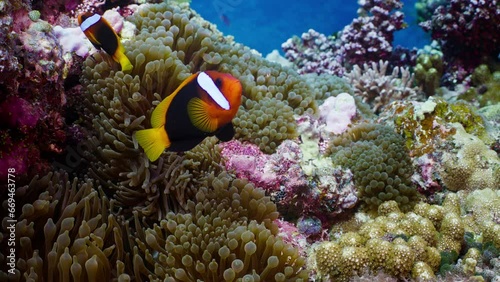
367,39
339,125
472,166
314,52
426,125
377,89
404,245
228,234
428,72
466,31
380,164
323,192
485,87
33,85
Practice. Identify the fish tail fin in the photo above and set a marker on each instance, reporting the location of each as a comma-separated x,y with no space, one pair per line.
154,141
124,61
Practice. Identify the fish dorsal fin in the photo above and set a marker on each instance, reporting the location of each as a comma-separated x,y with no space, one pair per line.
199,115
207,84
158,117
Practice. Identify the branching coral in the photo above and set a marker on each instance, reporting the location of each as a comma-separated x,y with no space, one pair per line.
369,37
377,89
467,31
380,164
314,52
428,72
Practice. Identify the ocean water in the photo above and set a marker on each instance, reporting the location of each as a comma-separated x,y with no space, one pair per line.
265,24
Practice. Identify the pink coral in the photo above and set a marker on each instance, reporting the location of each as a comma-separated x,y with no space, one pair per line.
426,176
337,112
324,196
16,112
291,235
267,171
32,98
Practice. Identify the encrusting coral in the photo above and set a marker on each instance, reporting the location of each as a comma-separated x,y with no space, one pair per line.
380,164
408,244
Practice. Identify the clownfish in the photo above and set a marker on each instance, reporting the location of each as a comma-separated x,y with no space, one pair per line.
203,105
103,36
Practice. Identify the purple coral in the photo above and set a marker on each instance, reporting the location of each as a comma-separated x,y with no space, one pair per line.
369,38
314,52
468,31
325,196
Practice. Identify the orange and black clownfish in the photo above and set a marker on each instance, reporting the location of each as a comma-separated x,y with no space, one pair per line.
103,36
203,105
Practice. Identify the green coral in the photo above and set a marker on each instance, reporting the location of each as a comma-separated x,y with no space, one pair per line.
425,8
380,163
485,90
428,72
425,126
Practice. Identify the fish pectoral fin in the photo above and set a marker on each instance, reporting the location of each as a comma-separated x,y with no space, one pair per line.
226,133
154,141
199,115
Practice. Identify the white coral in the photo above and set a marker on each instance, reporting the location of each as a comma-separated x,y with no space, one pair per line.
378,89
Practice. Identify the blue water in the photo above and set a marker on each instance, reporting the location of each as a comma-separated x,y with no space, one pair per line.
264,25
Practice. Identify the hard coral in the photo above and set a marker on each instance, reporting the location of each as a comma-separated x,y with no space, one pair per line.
467,32
314,52
369,37
379,89
406,245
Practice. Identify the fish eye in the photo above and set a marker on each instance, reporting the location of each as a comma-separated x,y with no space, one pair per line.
218,82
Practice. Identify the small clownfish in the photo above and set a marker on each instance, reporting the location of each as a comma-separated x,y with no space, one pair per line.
103,36
203,105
